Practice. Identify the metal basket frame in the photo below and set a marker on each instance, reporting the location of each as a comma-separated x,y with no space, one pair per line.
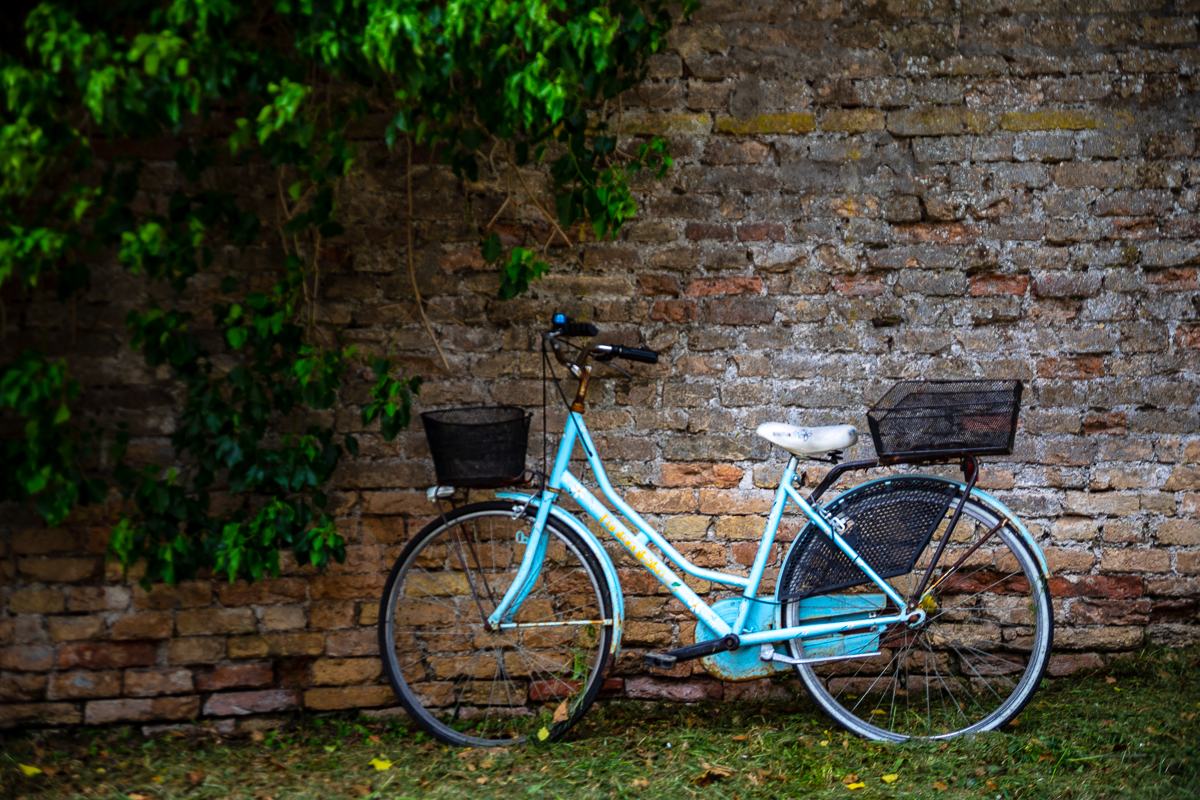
952,402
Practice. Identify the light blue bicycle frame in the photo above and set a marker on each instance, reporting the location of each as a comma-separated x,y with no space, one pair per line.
637,544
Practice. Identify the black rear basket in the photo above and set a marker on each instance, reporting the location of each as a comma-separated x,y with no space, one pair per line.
924,420
478,446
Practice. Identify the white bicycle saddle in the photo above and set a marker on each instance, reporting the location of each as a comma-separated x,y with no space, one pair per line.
808,441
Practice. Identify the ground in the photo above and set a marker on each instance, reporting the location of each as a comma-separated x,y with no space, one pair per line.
1131,731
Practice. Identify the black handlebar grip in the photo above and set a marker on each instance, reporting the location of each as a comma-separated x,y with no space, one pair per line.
635,354
568,327
579,329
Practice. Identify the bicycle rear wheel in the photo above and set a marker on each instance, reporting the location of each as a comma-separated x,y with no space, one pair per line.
469,686
970,666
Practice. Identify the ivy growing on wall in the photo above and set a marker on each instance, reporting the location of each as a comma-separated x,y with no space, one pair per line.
470,80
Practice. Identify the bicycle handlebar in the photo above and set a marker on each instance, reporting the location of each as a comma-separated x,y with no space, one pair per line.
565,326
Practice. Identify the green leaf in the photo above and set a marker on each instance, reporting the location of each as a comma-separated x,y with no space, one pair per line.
237,337
492,248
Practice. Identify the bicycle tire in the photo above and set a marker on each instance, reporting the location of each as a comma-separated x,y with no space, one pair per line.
470,687
971,666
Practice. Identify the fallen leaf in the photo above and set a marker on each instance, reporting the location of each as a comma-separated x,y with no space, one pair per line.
374,739
380,764
329,748
195,778
482,781
639,783
256,736
29,771
741,737
157,779
1110,679
360,789
889,778
543,734
1188,715
1166,676
990,785
941,787
851,778
711,775
136,796
824,743
853,786
562,713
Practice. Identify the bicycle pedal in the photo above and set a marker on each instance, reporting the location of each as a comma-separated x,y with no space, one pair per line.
660,660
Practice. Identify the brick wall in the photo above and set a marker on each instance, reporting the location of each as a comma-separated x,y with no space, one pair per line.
863,193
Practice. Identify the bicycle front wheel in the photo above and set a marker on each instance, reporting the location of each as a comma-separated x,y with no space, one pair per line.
975,660
470,686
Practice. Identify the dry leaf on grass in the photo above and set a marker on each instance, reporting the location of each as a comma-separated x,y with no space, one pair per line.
640,783
854,786
380,764
29,771
889,778
562,713
195,778
1110,679
851,778
711,775
940,786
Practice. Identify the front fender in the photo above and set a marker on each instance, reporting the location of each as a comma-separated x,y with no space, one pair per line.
606,565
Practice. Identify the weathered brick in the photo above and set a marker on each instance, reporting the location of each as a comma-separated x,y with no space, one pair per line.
107,655
945,121
60,570
214,621
1067,284
1103,586
858,120
151,683
1049,120
73,629
987,285
1135,561
195,650
230,704
167,597
56,714
700,475
102,712
335,699
1184,532
693,690
792,123
234,676
36,601
151,625
346,672
81,685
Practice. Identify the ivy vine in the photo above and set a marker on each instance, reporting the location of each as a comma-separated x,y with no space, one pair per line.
465,79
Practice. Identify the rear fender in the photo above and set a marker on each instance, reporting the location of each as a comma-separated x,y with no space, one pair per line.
593,544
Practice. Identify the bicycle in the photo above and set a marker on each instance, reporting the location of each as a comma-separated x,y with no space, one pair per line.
910,606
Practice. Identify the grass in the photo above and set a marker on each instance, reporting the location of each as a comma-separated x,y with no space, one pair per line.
1130,732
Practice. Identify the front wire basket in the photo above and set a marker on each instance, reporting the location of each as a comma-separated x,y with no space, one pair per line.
924,420
478,446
